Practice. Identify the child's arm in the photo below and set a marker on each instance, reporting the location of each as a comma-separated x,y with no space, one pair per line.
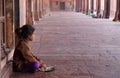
36,57
27,53
41,62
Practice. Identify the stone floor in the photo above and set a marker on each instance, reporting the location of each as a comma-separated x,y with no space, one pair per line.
77,45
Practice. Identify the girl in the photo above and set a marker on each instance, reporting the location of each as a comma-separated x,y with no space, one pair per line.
23,59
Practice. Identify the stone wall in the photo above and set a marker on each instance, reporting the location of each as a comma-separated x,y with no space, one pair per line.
56,5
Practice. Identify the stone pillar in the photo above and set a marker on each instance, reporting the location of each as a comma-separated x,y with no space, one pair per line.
9,23
95,5
43,8
83,6
98,5
32,10
117,13
43,11
98,8
102,7
113,8
29,12
17,17
86,6
35,4
106,12
77,5
0,51
0,48
118,5
0,34
50,5
80,5
92,6
40,8
37,10
89,7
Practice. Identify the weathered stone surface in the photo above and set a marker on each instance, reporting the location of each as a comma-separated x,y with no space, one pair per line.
77,45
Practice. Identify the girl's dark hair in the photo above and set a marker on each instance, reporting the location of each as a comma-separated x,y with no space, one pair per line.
24,31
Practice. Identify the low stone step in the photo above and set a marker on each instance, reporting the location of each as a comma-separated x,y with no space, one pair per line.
6,71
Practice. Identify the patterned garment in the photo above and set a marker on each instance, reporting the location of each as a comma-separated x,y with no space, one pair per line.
23,55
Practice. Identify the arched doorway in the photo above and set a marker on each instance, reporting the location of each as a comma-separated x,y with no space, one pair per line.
62,5
106,9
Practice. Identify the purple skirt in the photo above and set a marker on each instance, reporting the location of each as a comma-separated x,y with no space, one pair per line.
30,67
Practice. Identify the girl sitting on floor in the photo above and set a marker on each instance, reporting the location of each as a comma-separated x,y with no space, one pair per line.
23,59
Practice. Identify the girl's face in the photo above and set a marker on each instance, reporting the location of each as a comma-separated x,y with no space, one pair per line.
31,38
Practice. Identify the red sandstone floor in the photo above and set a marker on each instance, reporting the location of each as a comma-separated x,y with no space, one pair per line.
77,45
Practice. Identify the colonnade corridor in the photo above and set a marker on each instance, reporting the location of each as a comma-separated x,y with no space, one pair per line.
77,45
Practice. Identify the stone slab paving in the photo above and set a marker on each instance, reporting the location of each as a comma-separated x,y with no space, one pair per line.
77,45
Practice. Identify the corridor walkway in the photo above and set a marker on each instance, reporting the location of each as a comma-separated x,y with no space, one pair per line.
77,45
